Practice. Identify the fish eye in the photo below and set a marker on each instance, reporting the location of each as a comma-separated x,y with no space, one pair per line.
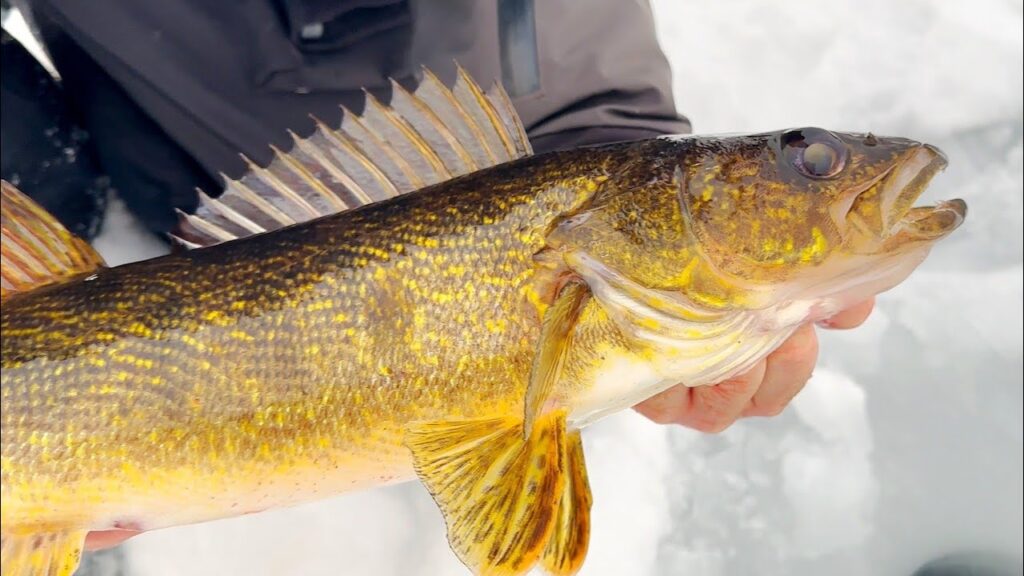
814,152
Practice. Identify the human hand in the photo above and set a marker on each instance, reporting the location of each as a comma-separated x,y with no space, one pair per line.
764,390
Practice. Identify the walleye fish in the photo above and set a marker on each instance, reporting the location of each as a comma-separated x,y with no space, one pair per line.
414,294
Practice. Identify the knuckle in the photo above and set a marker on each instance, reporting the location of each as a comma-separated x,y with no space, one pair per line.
803,345
776,403
661,416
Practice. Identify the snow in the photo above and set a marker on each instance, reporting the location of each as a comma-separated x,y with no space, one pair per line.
124,239
907,443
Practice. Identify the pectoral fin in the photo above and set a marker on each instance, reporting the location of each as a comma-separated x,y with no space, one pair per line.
555,338
50,554
504,496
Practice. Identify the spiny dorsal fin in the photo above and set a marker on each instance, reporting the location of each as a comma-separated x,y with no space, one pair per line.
36,249
423,137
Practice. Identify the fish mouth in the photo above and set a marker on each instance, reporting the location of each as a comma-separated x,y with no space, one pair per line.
899,221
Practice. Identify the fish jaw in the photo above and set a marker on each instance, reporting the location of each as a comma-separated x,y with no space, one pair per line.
838,285
882,219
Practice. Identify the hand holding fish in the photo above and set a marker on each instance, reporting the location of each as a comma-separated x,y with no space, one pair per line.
764,390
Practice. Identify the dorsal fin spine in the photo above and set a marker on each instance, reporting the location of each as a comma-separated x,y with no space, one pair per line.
402,126
521,143
246,194
284,189
494,118
329,164
403,165
289,162
435,121
431,78
354,151
209,228
232,215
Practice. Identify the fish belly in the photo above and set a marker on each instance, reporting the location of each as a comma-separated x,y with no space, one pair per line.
150,499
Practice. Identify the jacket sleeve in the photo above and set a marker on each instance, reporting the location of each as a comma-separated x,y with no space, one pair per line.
602,75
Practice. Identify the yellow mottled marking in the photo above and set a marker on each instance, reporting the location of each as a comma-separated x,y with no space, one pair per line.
817,248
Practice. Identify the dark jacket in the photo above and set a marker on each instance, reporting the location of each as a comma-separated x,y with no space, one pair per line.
171,92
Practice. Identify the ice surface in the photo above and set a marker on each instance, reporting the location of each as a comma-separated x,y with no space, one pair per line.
907,442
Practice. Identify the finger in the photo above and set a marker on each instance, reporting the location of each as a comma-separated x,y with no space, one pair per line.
107,538
666,407
851,317
704,408
715,408
787,370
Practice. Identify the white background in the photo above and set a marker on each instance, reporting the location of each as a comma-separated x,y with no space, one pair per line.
907,442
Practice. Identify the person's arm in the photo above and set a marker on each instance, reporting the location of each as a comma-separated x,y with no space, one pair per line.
600,74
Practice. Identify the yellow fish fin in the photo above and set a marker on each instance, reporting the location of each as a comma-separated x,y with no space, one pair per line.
500,492
47,554
37,250
570,538
555,338
432,134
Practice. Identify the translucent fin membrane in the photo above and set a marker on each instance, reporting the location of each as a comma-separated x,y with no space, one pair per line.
36,249
421,138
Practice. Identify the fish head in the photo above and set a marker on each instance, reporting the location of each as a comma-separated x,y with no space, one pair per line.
812,214
705,253
759,221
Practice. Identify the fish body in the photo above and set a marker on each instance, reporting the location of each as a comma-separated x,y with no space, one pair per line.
462,333
209,383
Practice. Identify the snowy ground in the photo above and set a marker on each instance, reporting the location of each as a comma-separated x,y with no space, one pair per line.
906,444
